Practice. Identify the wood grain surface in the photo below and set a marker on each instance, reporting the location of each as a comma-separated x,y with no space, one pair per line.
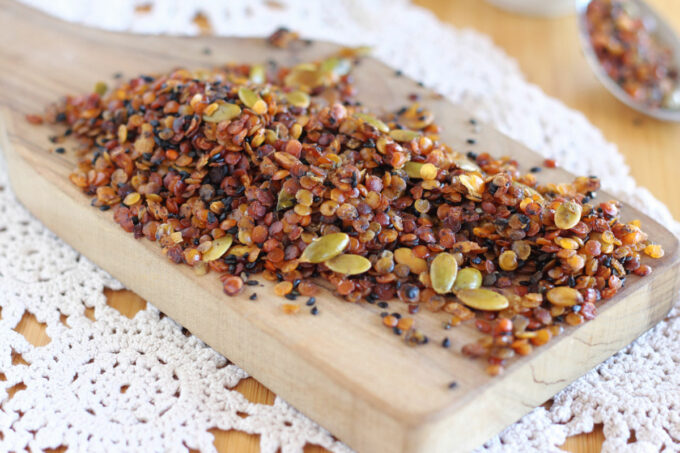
478,15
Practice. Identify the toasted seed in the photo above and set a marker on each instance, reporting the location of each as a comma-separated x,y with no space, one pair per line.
403,135
420,170
373,121
248,97
100,88
224,112
257,74
567,215
412,169
285,200
325,248
472,182
219,248
405,256
508,260
468,278
338,66
443,272
428,172
298,98
131,198
564,296
483,299
467,165
260,107
348,264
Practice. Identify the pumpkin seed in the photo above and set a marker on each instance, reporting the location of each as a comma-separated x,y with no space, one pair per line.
348,264
405,256
564,296
248,97
285,200
473,183
325,248
304,75
224,112
567,215
529,191
338,66
373,121
219,248
443,271
403,135
100,88
298,98
468,278
412,169
467,165
420,170
257,74
483,299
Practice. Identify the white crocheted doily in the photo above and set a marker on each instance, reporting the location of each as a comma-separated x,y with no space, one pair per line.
176,388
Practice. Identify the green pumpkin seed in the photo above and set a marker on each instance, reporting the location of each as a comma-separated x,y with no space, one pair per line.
483,299
403,135
285,200
219,248
373,121
325,248
304,75
338,66
412,169
348,264
100,88
257,74
298,98
564,296
420,170
224,112
248,96
468,278
567,215
467,165
443,271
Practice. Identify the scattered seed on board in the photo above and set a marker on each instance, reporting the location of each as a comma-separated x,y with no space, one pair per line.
242,171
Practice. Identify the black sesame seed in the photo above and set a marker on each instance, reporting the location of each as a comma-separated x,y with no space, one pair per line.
311,301
453,385
314,311
60,150
253,296
472,155
396,315
471,141
251,282
104,208
291,296
446,342
382,304
396,330
535,169
383,314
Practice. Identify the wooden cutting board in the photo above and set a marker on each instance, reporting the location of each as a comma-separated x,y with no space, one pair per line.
341,368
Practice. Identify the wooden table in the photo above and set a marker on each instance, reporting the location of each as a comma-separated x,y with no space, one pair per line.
548,53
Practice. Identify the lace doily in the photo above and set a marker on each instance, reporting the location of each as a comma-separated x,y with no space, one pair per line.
140,384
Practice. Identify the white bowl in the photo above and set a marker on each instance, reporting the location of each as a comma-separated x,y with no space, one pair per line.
545,8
